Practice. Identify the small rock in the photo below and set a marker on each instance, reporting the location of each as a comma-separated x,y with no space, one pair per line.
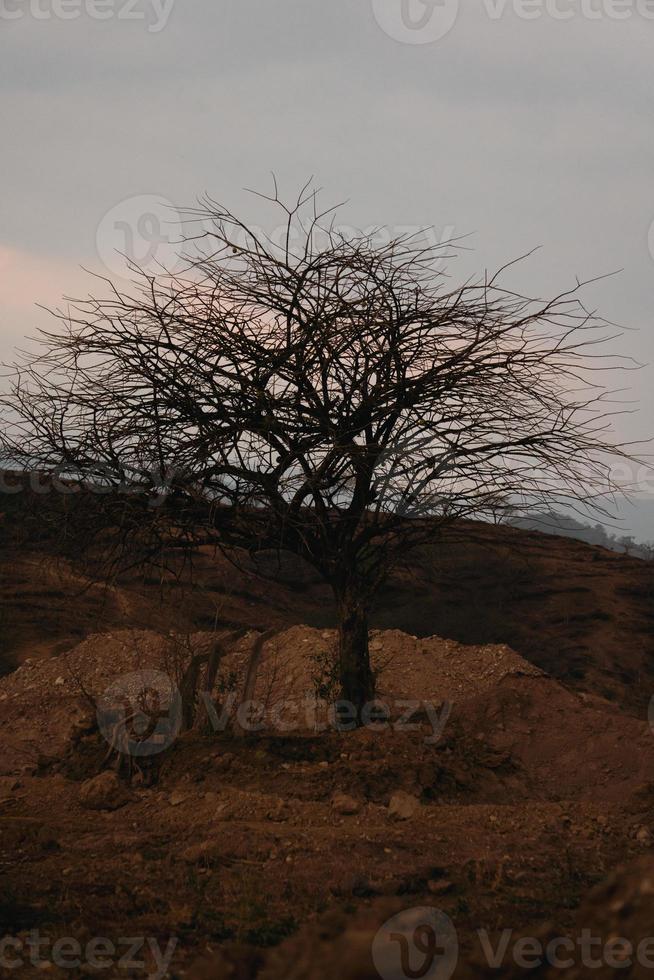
403,806
643,835
177,797
103,792
278,813
59,681
345,805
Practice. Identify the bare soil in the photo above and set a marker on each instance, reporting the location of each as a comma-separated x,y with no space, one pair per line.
533,810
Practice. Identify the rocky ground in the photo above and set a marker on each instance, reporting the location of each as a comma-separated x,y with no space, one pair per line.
510,811
280,854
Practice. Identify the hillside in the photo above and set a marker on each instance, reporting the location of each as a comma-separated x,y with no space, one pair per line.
582,613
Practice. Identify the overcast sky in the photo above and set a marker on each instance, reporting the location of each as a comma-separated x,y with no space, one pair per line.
520,125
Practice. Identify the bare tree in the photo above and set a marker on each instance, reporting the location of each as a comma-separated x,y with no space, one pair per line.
333,397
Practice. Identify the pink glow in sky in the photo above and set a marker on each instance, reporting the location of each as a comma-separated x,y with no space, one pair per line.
25,281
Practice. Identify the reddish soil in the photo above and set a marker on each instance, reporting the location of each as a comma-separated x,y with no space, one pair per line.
532,812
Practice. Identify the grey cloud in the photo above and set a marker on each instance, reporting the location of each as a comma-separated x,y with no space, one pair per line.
526,134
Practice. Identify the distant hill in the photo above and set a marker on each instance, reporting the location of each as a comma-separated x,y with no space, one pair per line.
627,541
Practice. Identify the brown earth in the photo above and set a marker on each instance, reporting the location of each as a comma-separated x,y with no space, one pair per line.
278,855
583,614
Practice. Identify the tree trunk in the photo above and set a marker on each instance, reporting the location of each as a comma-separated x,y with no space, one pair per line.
356,677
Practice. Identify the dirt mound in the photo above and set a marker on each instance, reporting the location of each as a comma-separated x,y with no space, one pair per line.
566,745
509,719
280,852
581,613
42,699
297,662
